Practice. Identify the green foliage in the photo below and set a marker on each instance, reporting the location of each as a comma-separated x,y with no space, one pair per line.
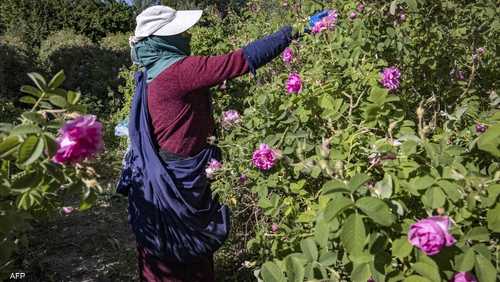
92,69
31,185
33,21
117,42
15,62
361,164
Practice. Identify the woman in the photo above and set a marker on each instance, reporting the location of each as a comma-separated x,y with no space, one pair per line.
177,224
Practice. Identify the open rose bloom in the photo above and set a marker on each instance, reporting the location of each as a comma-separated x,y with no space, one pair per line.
287,55
431,234
294,83
327,22
213,166
389,78
463,277
78,140
264,158
230,118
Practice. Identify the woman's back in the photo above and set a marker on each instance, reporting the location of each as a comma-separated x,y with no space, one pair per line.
179,100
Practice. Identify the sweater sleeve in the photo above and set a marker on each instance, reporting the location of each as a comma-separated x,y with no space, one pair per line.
207,71
262,51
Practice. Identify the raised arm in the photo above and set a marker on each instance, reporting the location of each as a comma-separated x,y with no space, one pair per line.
208,71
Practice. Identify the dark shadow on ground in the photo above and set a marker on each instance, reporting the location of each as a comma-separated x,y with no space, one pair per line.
94,245
98,245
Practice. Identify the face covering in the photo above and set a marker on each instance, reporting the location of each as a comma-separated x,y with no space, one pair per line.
157,53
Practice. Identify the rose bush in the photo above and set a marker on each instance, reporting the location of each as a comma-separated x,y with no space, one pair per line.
386,166
33,181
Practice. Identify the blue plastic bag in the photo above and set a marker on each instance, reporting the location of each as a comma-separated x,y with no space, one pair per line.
121,128
317,17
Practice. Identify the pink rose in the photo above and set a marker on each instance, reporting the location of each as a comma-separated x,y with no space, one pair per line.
213,166
360,8
389,78
287,55
230,118
242,179
463,277
264,158
431,234
68,210
78,140
327,22
294,83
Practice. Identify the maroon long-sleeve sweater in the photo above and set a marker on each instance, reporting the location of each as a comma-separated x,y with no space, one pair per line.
179,100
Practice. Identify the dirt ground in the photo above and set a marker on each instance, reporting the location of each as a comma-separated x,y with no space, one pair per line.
93,245
97,245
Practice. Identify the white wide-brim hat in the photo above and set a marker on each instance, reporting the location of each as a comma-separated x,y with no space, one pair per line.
163,21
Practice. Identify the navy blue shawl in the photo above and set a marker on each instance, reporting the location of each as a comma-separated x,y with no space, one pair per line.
171,209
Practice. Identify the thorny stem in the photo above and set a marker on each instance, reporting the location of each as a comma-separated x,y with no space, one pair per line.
283,137
471,78
38,101
351,105
420,115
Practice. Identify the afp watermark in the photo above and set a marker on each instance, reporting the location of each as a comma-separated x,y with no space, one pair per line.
18,276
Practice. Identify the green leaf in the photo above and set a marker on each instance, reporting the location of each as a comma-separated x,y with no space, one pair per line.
308,247
493,192
465,262
485,271
401,248
427,270
452,190
321,233
334,186
478,234
493,218
378,96
272,273
360,272
363,257
38,80
416,278
358,180
57,80
412,4
28,89
489,141
25,129
294,269
393,7
353,234
8,144
58,101
73,97
88,199
30,150
409,147
376,209
5,127
27,180
51,145
27,100
423,182
328,259
434,197
34,117
383,188
335,206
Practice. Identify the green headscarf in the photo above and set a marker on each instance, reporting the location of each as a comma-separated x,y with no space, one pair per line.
157,53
